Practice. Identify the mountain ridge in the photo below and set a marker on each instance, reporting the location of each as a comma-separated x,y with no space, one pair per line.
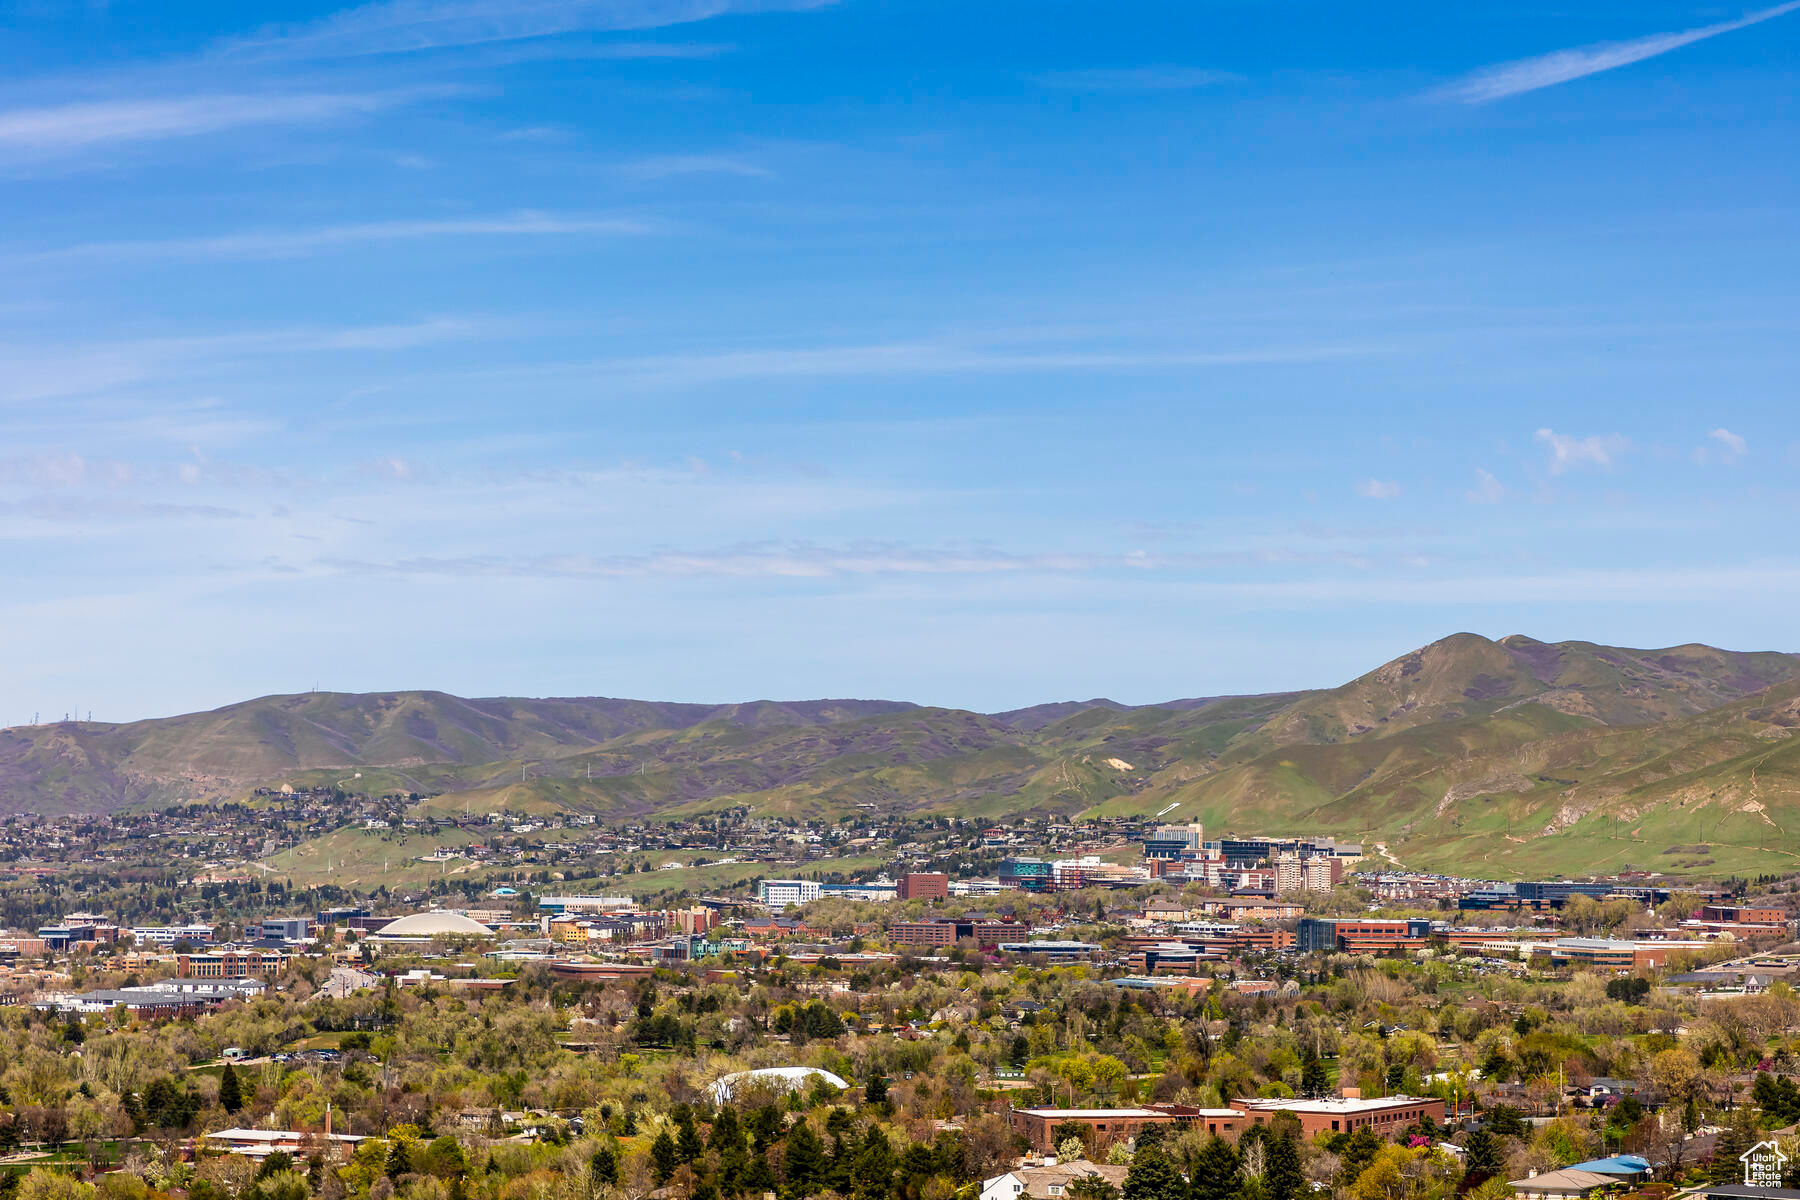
1499,754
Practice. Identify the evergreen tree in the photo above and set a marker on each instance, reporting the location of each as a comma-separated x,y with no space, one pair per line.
873,1170
604,1166
842,1130
275,1164
1217,1171
1486,1157
1313,1079
399,1162
726,1132
1281,1168
1505,1121
664,1158
1735,1139
758,1176
687,1138
231,1092
765,1127
1153,1177
803,1161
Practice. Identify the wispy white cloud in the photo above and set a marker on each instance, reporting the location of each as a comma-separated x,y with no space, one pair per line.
671,165
933,358
1597,450
68,127
1136,79
810,560
1547,70
1722,446
1487,489
71,509
285,243
62,470
35,373
410,26
1732,442
1378,489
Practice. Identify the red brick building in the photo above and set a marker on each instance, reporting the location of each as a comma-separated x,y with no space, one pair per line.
924,886
946,932
1104,1125
1387,1116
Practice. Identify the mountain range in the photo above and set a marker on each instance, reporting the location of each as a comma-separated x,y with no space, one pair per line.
1498,758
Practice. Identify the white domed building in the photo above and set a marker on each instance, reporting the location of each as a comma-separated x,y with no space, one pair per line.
436,925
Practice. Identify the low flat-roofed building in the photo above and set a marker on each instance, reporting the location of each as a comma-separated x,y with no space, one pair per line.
168,935
601,970
556,905
157,1001
1566,1184
1731,914
1170,958
1387,1115
260,1143
1105,1126
1609,954
1052,950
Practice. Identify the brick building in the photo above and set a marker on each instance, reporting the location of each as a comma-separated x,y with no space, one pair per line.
1104,1125
984,931
1387,1116
924,886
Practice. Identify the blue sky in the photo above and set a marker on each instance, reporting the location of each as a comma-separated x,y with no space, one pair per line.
980,353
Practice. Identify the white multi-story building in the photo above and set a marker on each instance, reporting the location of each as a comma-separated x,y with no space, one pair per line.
779,893
168,935
557,906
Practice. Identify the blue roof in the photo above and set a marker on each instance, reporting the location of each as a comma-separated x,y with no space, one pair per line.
1620,1164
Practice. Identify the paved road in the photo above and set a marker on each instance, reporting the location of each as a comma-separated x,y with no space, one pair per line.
345,980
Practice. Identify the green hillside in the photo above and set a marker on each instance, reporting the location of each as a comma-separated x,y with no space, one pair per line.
1506,757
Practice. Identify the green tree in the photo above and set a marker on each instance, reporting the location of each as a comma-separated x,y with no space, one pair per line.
1217,1171
1282,1175
604,1166
231,1092
803,1161
1313,1079
444,1158
687,1138
873,1169
726,1133
276,1163
1486,1157
1153,1177
1506,1121
1734,1140
399,1161
1092,1187
664,1158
